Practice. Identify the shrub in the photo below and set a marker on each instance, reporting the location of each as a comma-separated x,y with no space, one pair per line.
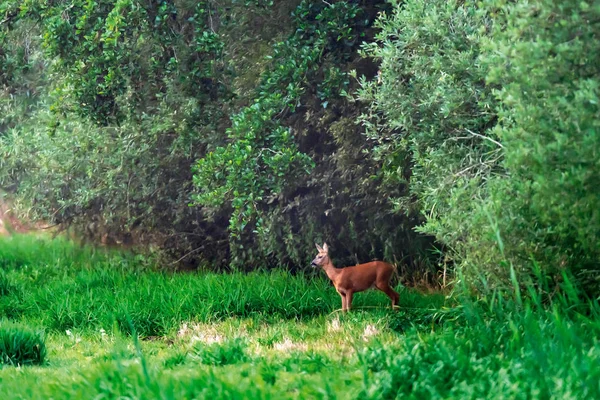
114,101
428,115
107,143
497,124
20,345
544,56
262,166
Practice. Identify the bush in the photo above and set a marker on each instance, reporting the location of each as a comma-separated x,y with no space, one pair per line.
428,115
20,345
497,124
293,170
545,58
114,102
103,137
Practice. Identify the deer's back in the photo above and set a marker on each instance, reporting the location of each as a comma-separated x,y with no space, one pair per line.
364,276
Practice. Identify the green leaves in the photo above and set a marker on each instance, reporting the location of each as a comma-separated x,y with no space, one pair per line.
262,157
546,71
429,109
126,96
494,106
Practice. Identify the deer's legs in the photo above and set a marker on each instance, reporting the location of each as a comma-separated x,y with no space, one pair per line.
348,300
391,293
343,296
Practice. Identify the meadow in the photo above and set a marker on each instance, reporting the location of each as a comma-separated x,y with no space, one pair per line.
85,323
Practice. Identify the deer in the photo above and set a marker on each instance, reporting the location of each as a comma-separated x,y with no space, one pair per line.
357,278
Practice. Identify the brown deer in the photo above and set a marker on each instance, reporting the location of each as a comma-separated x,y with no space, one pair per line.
349,280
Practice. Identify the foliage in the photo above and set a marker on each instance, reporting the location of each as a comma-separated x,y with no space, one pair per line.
429,111
262,158
112,58
496,124
343,198
129,95
544,57
20,345
114,159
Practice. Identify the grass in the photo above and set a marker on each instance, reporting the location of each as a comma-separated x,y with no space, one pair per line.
276,335
20,345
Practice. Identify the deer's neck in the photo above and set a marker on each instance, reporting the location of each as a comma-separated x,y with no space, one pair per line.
331,271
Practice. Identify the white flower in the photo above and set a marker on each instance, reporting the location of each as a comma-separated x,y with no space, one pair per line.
370,330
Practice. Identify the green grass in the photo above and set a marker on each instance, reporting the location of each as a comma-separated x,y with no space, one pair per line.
59,288
276,335
20,345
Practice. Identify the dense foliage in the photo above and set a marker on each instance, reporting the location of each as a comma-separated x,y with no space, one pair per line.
429,112
545,63
429,133
496,107
126,103
136,93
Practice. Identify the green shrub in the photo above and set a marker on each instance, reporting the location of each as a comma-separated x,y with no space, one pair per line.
134,91
20,345
544,57
262,161
109,104
492,107
428,116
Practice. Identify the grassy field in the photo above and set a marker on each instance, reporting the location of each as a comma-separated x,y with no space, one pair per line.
112,326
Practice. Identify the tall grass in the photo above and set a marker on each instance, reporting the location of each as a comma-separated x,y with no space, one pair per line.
515,344
20,345
509,352
70,288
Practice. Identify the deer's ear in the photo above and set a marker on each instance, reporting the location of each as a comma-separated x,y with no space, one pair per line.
325,248
319,247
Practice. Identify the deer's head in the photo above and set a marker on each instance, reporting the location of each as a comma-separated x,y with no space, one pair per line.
322,257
